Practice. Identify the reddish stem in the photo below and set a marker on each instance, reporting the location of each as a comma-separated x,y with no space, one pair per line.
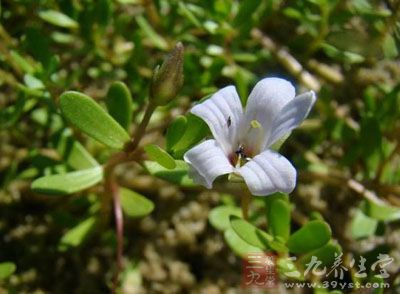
112,190
119,225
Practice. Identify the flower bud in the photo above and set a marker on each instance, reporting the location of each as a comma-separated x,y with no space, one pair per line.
168,78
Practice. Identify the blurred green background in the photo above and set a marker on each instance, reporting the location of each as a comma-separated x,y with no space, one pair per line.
347,152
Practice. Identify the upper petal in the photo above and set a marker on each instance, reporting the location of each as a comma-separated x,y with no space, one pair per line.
209,161
267,173
265,101
222,113
290,116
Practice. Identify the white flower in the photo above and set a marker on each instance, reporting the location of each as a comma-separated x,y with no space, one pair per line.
242,138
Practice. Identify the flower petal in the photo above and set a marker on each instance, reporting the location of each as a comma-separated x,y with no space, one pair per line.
267,173
266,100
291,116
223,113
209,161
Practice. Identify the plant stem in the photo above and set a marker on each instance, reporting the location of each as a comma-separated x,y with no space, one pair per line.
112,193
140,131
119,224
112,189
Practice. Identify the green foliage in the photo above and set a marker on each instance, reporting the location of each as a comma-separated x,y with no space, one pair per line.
381,211
58,19
279,219
77,235
219,217
6,269
238,245
325,254
175,131
68,183
134,204
178,175
251,234
363,226
311,236
119,104
195,131
109,49
90,118
160,156
73,152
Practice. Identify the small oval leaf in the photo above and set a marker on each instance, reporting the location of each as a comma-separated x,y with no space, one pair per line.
58,19
363,226
73,152
156,39
175,132
196,130
279,219
381,211
326,255
6,269
119,104
68,183
251,234
85,114
77,235
311,236
178,175
219,216
134,204
157,154
238,245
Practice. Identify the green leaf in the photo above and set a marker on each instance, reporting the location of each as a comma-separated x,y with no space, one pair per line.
178,175
84,113
251,234
196,130
238,245
77,235
185,11
246,10
32,82
175,132
381,211
21,62
279,219
326,254
58,19
68,183
363,226
389,47
219,216
63,38
74,153
119,104
134,204
311,236
11,114
6,269
160,156
155,38
377,281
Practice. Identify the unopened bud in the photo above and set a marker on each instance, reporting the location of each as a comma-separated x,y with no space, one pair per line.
168,78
